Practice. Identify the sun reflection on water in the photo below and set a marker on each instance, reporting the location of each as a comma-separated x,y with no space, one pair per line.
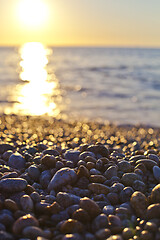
35,95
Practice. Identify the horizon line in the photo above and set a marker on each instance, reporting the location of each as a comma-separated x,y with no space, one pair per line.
85,45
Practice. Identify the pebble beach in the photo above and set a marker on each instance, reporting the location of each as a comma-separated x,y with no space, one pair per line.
78,180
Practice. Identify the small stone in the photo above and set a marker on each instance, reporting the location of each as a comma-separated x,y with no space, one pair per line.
51,152
129,178
81,215
72,156
155,194
111,172
139,186
34,172
98,188
97,179
127,233
11,205
114,221
103,234
100,222
156,173
13,184
125,194
49,161
67,199
54,208
90,206
32,232
150,226
139,203
83,155
5,147
83,172
153,211
16,161
108,210
74,236
62,177
23,222
113,198
5,236
45,178
145,235
26,203
71,226
124,166
149,164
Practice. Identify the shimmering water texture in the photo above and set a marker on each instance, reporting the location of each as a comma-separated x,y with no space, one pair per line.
116,84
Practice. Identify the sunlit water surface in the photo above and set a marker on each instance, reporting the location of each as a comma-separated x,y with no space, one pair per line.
116,84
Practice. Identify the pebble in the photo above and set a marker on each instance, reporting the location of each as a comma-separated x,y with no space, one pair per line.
49,161
156,173
67,199
97,178
62,177
139,186
72,156
129,178
16,161
71,226
110,172
26,203
103,234
85,154
149,164
139,203
98,188
99,222
23,222
108,210
32,232
13,185
124,166
153,211
4,147
155,194
45,178
34,172
90,206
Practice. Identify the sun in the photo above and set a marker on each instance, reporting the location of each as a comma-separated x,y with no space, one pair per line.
33,12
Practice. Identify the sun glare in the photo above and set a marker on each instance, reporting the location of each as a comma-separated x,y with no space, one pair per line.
33,12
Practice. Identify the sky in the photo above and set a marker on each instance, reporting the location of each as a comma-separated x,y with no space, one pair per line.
81,22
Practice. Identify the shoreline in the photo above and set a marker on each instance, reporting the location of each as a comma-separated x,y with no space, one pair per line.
79,180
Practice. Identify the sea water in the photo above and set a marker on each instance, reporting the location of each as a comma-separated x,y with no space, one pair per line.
120,85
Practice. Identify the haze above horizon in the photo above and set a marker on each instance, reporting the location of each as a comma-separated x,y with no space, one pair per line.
80,23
